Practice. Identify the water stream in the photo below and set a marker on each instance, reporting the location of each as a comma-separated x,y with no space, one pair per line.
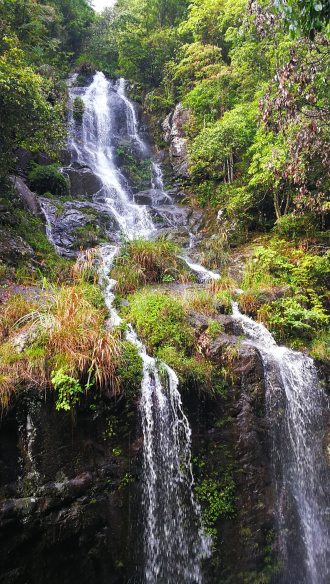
173,539
298,411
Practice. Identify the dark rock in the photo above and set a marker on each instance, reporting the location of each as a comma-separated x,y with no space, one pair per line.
153,198
83,182
43,159
28,198
69,520
65,157
14,249
23,158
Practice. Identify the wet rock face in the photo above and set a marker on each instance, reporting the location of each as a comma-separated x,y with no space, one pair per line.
175,136
67,513
230,437
77,224
83,182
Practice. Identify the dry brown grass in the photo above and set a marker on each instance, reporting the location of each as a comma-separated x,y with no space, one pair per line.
223,283
70,336
16,307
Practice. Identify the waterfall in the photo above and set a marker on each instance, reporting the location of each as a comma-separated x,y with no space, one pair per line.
94,145
131,120
173,538
174,541
297,408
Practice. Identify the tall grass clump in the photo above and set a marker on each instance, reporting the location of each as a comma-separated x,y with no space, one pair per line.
64,331
142,262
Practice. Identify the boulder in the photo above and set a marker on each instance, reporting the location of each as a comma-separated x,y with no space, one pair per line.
23,158
13,248
83,182
29,198
153,198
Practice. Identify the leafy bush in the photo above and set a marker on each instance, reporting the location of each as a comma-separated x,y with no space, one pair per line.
68,389
78,109
47,178
289,318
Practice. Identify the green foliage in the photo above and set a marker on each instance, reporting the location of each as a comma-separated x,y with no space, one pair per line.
47,178
303,16
129,370
160,320
78,109
68,389
217,496
27,118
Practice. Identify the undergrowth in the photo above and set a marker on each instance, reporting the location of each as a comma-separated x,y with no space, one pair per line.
63,332
162,322
286,288
142,262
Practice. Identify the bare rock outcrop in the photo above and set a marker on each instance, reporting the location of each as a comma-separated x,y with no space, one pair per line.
175,135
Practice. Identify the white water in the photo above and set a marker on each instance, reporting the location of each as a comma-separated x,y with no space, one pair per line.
298,408
131,119
157,181
94,148
203,274
173,538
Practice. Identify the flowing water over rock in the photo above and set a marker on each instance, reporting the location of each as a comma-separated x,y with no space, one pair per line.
298,413
174,541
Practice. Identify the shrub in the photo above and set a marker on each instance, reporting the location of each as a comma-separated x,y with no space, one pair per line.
143,262
80,80
47,178
78,110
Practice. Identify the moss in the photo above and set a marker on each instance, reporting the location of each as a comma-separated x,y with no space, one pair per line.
78,110
160,321
89,235
129,371
45,179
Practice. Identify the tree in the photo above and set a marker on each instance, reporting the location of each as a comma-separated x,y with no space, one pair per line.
27,118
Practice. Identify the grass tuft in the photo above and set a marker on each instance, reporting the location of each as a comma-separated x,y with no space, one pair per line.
142,262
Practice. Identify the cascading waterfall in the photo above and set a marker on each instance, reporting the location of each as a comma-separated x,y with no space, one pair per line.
297,408
173,538
93,145
174,541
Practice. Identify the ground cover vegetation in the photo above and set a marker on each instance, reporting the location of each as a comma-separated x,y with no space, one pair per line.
59,339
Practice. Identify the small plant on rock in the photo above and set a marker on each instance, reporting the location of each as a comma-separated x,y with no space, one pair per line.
68,389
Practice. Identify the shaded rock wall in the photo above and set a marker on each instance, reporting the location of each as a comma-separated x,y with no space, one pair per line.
67,511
